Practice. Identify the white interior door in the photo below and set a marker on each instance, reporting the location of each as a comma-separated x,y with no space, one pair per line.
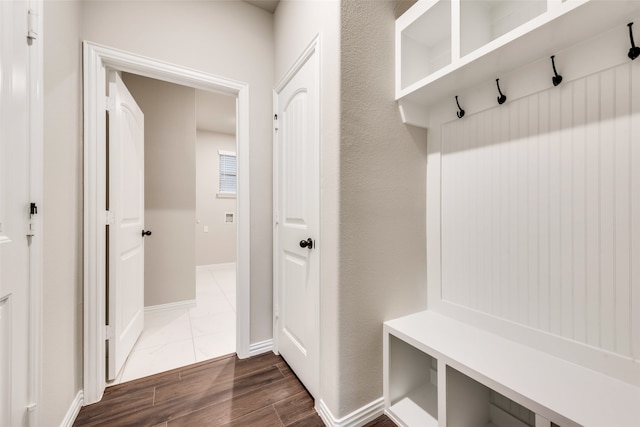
14,215
297,220
126,243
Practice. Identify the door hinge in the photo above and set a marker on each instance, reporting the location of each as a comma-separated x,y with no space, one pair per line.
31,226
275,313
108,332
109,218
32,19
108,105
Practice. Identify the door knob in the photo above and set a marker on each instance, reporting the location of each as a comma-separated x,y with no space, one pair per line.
306,243
146,233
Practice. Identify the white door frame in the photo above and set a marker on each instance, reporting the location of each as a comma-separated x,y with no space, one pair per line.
96,60
36,189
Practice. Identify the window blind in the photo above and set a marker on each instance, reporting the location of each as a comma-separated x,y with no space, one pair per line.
227,173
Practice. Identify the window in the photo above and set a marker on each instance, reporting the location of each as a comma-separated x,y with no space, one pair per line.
228,180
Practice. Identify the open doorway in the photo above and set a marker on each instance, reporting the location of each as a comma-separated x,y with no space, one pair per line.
190,208
97,61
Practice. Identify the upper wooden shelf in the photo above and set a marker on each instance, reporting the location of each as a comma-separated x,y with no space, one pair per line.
447,46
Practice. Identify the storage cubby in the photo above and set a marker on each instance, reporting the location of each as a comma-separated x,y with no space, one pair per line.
413,384
472,404
447,47
425,43
481,22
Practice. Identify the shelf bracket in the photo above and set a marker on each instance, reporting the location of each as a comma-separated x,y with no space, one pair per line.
414,114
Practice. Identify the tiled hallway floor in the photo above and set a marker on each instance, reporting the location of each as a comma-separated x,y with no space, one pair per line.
182,336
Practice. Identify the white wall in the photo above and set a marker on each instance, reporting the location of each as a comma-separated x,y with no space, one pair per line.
226,38
372,190
218,244
62,211
170,188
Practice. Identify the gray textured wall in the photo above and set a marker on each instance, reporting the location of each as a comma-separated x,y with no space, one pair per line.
382,200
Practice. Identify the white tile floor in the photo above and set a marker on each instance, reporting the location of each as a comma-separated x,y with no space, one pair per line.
181,336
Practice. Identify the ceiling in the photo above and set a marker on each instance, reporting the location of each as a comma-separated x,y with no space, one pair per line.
215,112
268,5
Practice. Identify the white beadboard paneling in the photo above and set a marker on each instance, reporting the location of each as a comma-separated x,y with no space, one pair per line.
533,231
512,210
593,209
634,158
578,193
544,237
521,201
622,219
566,208
540,211
504,253
607,203
555,196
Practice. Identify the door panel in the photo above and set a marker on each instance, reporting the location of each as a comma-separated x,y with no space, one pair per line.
295,270
297,206
126,246
14,215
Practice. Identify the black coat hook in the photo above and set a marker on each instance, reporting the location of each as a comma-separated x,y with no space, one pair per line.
634,52
557,78
460,113
502,98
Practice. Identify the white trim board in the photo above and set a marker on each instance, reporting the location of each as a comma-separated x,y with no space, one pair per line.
222,266
73,411
260,347
171,306
96,59
36,180
359,417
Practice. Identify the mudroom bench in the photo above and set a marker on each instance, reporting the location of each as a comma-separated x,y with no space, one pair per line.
441,372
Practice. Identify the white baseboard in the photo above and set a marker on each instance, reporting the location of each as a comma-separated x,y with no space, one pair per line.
260,347
73,411
171,306
357,418
223,266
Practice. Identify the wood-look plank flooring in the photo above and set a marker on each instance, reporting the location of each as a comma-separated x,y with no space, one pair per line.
260,391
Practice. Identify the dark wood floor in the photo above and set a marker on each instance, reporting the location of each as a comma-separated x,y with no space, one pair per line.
227,391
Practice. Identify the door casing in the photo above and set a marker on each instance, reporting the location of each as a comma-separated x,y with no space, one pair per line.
96,60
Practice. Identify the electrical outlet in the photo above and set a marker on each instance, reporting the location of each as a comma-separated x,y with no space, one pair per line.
206,228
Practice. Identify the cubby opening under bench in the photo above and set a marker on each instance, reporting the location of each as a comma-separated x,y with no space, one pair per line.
439,371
